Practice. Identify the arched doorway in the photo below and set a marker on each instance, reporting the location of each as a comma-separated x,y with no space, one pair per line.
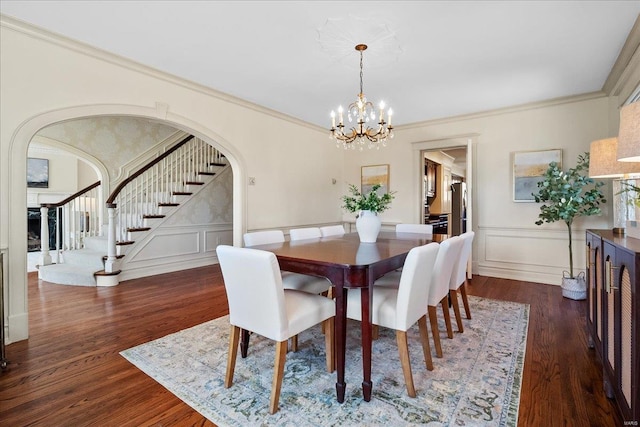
17,307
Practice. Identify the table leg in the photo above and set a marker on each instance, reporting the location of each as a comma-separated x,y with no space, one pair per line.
341,338
244,343
365,324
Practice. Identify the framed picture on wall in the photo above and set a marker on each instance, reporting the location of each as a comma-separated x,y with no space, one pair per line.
372,175
37,173
528,169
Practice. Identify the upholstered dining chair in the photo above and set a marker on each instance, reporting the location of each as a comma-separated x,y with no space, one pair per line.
259,303
301,282
400,308
414,228
304,233
332,230
459,279
439,290
290,280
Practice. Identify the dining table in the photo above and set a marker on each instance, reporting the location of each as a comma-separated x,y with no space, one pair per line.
348,263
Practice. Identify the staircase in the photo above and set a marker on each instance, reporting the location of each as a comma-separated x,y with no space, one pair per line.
137,206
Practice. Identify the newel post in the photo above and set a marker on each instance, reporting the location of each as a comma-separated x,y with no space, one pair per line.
45,256
111,239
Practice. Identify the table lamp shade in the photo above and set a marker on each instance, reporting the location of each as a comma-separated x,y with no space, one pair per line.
629,133
603,162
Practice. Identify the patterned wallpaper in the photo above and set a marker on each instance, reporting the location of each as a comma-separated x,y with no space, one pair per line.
117,140
212,205
113,140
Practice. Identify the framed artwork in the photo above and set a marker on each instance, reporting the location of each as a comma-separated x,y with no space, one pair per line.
528,169
37,173
375,174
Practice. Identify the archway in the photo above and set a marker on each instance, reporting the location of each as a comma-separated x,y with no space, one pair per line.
17,307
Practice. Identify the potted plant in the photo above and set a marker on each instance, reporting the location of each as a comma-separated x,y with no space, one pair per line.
566,196
368,206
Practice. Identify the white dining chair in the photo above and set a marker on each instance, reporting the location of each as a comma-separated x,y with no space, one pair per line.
259,303
414,228
304,233
439,289
459,279
401,307
301,282
332,230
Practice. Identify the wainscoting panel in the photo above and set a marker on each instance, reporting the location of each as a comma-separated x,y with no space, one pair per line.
176,248
528,254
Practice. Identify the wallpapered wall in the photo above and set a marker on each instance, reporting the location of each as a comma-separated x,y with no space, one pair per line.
112,140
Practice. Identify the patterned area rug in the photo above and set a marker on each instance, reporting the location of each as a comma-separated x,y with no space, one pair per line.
477,383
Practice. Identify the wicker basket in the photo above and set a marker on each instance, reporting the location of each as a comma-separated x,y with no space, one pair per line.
574,288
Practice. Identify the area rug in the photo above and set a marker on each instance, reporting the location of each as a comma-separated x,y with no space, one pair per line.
477,383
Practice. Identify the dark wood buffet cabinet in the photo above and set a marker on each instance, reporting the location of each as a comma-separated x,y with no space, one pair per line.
613,273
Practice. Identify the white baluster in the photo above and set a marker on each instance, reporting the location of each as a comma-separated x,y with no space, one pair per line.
45,257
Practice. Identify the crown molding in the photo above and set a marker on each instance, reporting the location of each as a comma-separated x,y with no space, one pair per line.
622,79
506,110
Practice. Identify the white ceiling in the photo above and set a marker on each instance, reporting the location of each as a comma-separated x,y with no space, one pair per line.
426,60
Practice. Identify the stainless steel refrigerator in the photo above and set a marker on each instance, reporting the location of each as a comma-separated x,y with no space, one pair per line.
458,208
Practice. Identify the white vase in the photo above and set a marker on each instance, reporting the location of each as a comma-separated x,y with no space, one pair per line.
368,226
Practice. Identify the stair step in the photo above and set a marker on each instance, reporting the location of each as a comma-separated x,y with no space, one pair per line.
207,173
168,205
153,216
96,243
84,257
105,257
125,242
217,164
134,229
181,193
65,274
104,273
193,183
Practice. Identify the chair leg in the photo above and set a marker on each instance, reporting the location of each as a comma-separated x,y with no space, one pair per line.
453,295
294,343
433,318
424,335
465,301
403,351
234,338
328,343
278,373
447,317
375,332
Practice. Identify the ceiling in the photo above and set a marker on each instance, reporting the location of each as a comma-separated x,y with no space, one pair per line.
426,60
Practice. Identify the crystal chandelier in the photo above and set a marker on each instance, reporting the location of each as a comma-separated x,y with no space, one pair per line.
362,112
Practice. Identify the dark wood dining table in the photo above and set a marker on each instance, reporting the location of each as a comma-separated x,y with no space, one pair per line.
347,263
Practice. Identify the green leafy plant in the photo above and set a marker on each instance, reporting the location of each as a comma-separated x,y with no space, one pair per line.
568,195
372,201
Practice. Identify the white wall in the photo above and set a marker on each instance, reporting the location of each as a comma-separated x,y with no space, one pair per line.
63,177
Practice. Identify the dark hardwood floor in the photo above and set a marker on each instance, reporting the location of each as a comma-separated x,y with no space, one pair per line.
70,373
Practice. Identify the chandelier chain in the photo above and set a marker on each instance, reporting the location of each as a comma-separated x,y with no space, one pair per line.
361,73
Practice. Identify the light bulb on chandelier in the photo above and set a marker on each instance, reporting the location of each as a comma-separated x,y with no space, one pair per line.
362,112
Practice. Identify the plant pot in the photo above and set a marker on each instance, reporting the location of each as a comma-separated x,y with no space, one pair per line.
368,225
574,288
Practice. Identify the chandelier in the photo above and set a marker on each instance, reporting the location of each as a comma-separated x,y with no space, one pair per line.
362,112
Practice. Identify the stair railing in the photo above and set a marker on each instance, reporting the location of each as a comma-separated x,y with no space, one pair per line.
154,186
77,217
